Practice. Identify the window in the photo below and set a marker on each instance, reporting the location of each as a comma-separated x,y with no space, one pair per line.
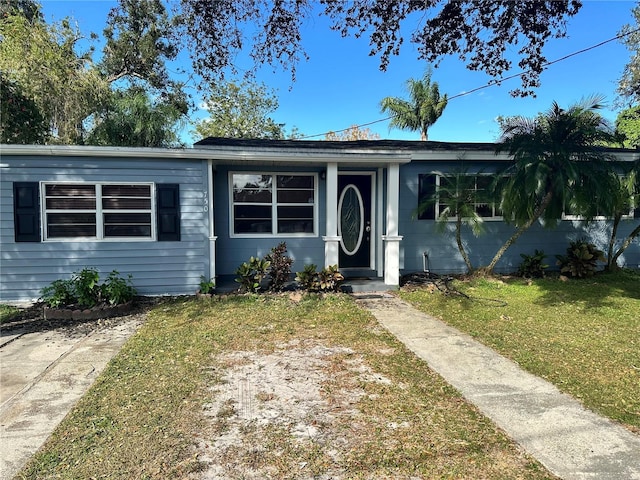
98,211
273,204
444,186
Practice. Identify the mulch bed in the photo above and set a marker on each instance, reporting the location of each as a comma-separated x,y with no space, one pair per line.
39,317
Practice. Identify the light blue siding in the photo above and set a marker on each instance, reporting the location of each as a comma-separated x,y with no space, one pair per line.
232,252
156,267
421,236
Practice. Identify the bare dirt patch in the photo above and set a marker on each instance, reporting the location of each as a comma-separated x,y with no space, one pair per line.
301,396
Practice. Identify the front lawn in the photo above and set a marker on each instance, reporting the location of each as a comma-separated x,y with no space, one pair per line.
273,387
581,335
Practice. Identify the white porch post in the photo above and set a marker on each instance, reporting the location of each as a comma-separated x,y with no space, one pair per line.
392,239
209,207
331,239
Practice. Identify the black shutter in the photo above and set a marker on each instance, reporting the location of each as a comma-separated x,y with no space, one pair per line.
636,213
168,212
426,194
26,212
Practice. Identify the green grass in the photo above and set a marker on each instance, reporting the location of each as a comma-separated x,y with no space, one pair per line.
142,416
581,335
7,313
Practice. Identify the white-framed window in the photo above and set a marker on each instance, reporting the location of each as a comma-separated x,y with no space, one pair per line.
273,204
570,214
428,184
99,211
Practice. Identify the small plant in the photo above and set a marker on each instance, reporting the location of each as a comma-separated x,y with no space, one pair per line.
83,289
58,294
280,266
86,287
328,279
307,277
251,274
117,290
532,266
581,259
207,286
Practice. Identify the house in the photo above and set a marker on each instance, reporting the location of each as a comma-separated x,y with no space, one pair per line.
170,216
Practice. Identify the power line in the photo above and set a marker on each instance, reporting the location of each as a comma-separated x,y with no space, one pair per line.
491,83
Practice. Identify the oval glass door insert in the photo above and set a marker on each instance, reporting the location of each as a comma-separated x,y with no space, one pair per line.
350,219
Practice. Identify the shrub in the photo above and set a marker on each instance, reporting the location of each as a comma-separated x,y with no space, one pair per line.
86,286
251,274
532,266
329,279
58,294
581,259
307,277
117,290
207,286
280,266
84,290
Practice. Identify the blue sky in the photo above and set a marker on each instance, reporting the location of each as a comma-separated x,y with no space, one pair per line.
340,85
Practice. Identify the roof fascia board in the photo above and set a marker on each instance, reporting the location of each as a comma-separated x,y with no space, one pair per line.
469,155
215,154
93,151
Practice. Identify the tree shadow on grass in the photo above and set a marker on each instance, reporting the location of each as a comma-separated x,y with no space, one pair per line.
597,291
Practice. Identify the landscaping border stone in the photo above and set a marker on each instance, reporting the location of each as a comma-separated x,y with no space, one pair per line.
95,313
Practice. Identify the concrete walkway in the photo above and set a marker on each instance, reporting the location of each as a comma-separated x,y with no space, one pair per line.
42,375
570,441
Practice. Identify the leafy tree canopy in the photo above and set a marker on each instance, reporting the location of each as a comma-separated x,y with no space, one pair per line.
628,126
133,119
41,58
629,85
480,32
139,41
27,8
20,118
240,110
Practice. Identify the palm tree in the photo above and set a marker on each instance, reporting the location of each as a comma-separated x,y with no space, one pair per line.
423,109
458,199
623,197
555,157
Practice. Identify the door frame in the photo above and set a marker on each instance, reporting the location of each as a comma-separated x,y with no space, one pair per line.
373,244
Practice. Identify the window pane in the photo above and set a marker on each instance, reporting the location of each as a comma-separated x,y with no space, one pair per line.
484,210
252,219
70,190
126,203
252,196
295,181
71,203
127,230
126,191
483,182
61,225
295,219
295,196
252,226
295,226
442,207
127,218
295,212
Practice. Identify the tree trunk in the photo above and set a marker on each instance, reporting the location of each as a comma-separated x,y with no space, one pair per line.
536,214
465,257
612,241
625,244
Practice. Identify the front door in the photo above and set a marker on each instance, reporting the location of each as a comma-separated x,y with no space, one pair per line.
354,220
